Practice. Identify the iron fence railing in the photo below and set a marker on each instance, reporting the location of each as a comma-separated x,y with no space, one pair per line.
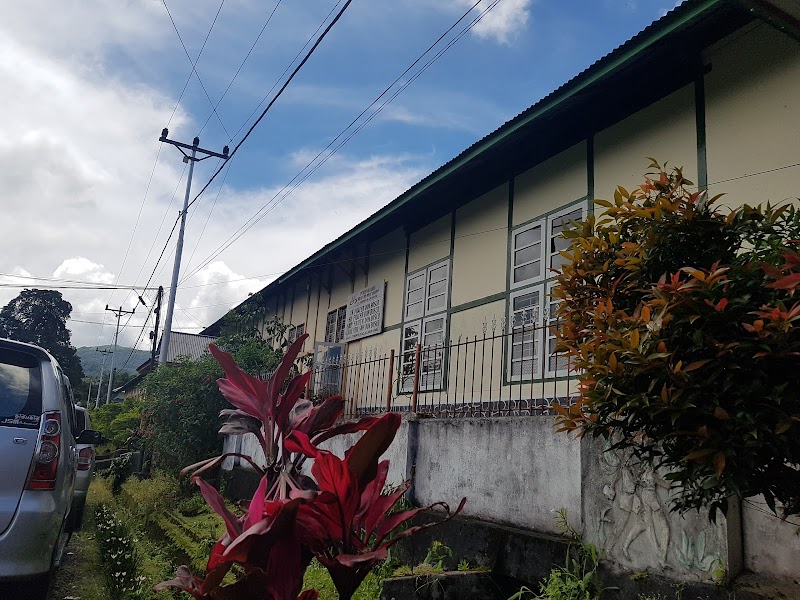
502,373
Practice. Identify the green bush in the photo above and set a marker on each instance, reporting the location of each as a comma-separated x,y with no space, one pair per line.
181,405
117,421
146,498
118,472
682,322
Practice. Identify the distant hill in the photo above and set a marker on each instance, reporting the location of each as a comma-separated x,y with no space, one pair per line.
92,360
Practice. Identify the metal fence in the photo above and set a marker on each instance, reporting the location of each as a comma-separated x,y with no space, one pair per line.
497,373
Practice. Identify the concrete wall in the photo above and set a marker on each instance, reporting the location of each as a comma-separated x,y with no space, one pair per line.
771,545
518,471
512,470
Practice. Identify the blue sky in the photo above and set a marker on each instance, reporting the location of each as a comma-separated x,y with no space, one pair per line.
89,89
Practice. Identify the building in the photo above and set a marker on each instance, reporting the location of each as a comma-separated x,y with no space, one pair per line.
448,284
189,346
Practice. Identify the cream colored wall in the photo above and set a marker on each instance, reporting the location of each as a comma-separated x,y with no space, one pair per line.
387,262
429,244
317,311
341,288
365,384
559,180
753,117
481,247
666,130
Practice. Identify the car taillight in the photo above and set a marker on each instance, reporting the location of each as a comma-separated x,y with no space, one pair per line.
85,457
45,468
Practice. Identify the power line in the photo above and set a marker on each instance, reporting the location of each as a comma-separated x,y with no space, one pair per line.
72,287
152,172
235,75
289,66
272,203
277,95
194,62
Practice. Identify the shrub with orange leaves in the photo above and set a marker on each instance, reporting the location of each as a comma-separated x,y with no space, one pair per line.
684,322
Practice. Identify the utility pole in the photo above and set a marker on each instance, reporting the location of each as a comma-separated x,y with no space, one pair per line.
104,352
119,312
191,159
154,333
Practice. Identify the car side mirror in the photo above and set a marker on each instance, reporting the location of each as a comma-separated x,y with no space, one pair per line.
90,436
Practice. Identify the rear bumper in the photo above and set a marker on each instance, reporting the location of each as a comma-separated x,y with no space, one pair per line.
26,547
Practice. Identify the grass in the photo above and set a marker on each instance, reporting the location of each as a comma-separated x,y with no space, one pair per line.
317,578
81,575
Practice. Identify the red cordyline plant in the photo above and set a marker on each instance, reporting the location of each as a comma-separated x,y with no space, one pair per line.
343,517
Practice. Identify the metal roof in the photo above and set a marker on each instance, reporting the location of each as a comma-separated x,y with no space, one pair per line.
191,345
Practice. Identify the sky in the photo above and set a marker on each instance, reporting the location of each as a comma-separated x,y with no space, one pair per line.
91,195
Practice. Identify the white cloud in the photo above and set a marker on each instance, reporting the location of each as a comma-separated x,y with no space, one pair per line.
83,269
507,19
343,193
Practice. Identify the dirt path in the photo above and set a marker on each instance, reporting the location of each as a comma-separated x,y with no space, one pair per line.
81,574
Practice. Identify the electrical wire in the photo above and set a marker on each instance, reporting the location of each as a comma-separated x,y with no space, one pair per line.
141,333
235,75
194,62
294,183
277,95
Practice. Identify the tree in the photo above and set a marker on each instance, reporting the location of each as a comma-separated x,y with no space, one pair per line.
682,320
40,317
182,403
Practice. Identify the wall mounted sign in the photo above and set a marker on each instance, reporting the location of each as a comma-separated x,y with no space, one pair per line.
365,313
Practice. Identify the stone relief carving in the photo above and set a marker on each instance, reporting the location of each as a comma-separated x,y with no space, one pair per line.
634,518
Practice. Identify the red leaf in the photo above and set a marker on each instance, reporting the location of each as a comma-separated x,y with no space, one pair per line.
183,580
320,417
276,381
333,475
215,501
790,282
349,427
240,398
298,441
287,402
362,458
255,511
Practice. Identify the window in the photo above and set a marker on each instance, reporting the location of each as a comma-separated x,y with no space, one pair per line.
426,320
535,247
556,225
430,333
426,290
334,325
295,331
341,319
20,390
330,327
528,250
556,363
526,331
